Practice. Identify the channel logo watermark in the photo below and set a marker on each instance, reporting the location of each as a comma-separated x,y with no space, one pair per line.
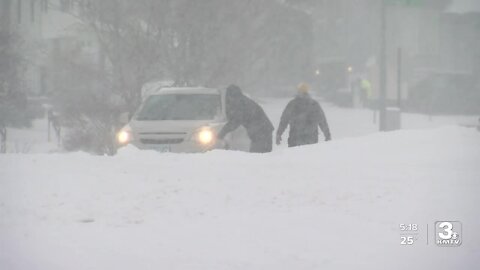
448,233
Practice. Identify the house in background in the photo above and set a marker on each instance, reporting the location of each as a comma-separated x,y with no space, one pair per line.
46,28
25,18
68,41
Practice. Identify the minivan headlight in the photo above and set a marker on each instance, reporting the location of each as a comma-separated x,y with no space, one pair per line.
205,136
124,137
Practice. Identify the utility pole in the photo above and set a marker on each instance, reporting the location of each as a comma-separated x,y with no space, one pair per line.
383,67
399,78
383,58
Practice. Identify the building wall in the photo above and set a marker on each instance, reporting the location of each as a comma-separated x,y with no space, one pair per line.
416,32
348,32
68,40
24,17
33,20
5,14
460,41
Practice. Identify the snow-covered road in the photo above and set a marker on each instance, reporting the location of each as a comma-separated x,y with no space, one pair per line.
336,205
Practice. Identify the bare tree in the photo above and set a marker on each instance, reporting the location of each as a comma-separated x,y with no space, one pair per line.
13,99
211,42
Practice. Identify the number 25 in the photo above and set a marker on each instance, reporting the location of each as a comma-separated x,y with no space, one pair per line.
406,240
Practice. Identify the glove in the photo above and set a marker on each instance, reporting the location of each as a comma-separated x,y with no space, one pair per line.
278,140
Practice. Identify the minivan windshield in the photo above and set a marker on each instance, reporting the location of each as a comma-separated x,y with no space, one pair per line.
180,107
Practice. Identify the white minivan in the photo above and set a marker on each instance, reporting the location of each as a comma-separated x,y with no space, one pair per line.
184,119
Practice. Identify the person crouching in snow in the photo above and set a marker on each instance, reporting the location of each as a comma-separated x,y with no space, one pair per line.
304,115
242,111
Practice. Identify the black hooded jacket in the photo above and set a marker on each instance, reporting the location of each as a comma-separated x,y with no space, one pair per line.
304,115
242,111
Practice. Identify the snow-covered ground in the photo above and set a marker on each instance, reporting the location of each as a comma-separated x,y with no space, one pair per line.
335,205
32,140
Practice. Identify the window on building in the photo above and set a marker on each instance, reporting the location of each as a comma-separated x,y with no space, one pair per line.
19,11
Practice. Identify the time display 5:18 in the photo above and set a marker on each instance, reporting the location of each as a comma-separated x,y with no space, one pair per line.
409,227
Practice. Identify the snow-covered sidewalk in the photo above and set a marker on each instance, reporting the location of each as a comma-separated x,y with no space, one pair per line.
336,205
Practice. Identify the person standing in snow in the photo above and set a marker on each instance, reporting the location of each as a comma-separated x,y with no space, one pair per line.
304,115
242,111
366,91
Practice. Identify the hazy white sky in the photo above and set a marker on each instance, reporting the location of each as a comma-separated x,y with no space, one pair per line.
463,6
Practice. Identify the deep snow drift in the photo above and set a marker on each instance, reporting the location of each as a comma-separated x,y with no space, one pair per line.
335,205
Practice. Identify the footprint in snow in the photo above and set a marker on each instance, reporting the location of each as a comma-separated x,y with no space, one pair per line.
87,220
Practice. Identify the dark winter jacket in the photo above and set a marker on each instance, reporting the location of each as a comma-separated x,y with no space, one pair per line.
304,115
242,111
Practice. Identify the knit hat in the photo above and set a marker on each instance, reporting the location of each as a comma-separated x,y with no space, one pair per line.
303,88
